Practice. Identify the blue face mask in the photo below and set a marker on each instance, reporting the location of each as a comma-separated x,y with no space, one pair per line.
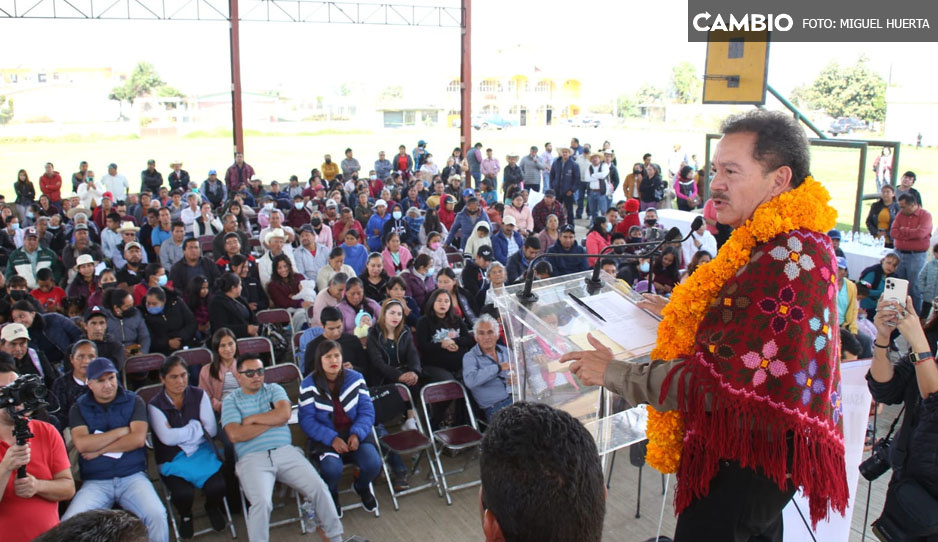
30,215
396,215
644,267
155,310
608,226
162,280
15,226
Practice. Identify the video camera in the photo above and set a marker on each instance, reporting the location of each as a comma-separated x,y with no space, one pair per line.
20,399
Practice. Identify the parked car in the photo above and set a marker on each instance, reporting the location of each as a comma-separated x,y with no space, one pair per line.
498,122
845,125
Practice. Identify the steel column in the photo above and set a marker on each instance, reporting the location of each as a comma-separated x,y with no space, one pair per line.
465,79
235,36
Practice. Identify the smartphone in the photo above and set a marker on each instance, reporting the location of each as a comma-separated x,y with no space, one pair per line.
896,290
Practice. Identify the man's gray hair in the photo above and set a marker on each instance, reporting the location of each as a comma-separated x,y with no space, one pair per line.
486,319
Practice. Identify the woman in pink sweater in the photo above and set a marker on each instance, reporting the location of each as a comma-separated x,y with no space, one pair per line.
685,187
522,213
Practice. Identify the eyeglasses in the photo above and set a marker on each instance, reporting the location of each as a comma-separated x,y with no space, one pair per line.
251,373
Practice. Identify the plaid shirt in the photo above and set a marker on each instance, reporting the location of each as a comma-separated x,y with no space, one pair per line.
541,211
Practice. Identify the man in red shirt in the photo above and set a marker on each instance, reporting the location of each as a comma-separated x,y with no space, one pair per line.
29,506
51,184
911,233
238,174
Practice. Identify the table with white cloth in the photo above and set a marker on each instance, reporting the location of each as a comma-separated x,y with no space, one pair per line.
859,256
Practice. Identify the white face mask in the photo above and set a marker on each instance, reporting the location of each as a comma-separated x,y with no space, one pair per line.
298,205
269,206
373,177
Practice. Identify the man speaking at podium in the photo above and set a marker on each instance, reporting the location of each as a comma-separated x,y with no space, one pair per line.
745,380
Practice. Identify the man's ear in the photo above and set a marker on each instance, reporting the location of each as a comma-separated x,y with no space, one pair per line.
491,528
782,180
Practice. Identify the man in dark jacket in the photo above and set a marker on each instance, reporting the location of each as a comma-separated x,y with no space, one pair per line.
172,325
567,244
465,222
565,180
150,179
179,178
473,274
518,263
50,333
95,326
352,351
192,265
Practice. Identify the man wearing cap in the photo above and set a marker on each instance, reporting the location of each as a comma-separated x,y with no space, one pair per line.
150,178
375,227
473,274
192,265
238,174
179,178
14,340
109,428
531,169
213,189
131,273
94,326
310,256
508,241
835,240
549,205
566,244
282,200
115,183
465,221
565,181
51,333
171,249
420,155
30,258
275,240
82,245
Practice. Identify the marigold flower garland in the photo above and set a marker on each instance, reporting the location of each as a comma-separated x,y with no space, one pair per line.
804,207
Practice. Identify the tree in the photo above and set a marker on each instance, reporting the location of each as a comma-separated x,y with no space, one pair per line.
650,94
142,81
6,110
685,85
627,105
849,91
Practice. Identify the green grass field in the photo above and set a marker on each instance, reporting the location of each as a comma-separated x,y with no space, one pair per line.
276,157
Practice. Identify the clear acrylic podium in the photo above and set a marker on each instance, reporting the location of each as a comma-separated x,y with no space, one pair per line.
541,331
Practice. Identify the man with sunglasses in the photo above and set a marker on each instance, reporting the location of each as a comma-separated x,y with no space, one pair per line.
255,418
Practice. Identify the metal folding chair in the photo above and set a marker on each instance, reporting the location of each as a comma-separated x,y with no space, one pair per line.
256,346
206,244
411,441
195,357
454,438
274,316
171,512
142,364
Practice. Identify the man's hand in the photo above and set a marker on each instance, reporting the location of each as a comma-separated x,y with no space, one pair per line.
339,445
91,455
175,343
26,488
408,379
590,365
353,443
17,456
252,330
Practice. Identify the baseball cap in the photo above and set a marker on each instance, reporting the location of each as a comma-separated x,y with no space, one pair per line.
509,220
834,234
485,252
132,244
81,226
568,228
94,311
467,192
841,262
30,232
550,192
232,234
83,259
100,366
304,227
331,203
212,172
380,203
112,165
12,332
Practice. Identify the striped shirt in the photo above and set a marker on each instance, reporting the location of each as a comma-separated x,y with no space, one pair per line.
239,405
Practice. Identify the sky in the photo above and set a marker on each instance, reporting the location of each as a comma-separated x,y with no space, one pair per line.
610,45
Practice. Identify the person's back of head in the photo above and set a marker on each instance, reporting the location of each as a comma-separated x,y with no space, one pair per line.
97,526
541,477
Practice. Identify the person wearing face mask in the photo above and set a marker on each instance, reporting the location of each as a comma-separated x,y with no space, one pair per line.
652,230
329,168
169,321
268,207
398,225
434,249
298,215
154,275
322,231
11,237
124,322
598,237
419,280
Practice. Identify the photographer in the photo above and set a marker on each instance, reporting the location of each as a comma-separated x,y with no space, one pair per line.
48,475
911,509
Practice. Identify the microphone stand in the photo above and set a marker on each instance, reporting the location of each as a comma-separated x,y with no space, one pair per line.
526,296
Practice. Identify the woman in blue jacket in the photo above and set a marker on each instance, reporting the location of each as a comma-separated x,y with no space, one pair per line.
337,415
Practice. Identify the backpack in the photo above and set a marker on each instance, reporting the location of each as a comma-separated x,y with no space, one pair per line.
277,334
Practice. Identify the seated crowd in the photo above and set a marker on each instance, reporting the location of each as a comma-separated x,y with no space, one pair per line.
396,273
